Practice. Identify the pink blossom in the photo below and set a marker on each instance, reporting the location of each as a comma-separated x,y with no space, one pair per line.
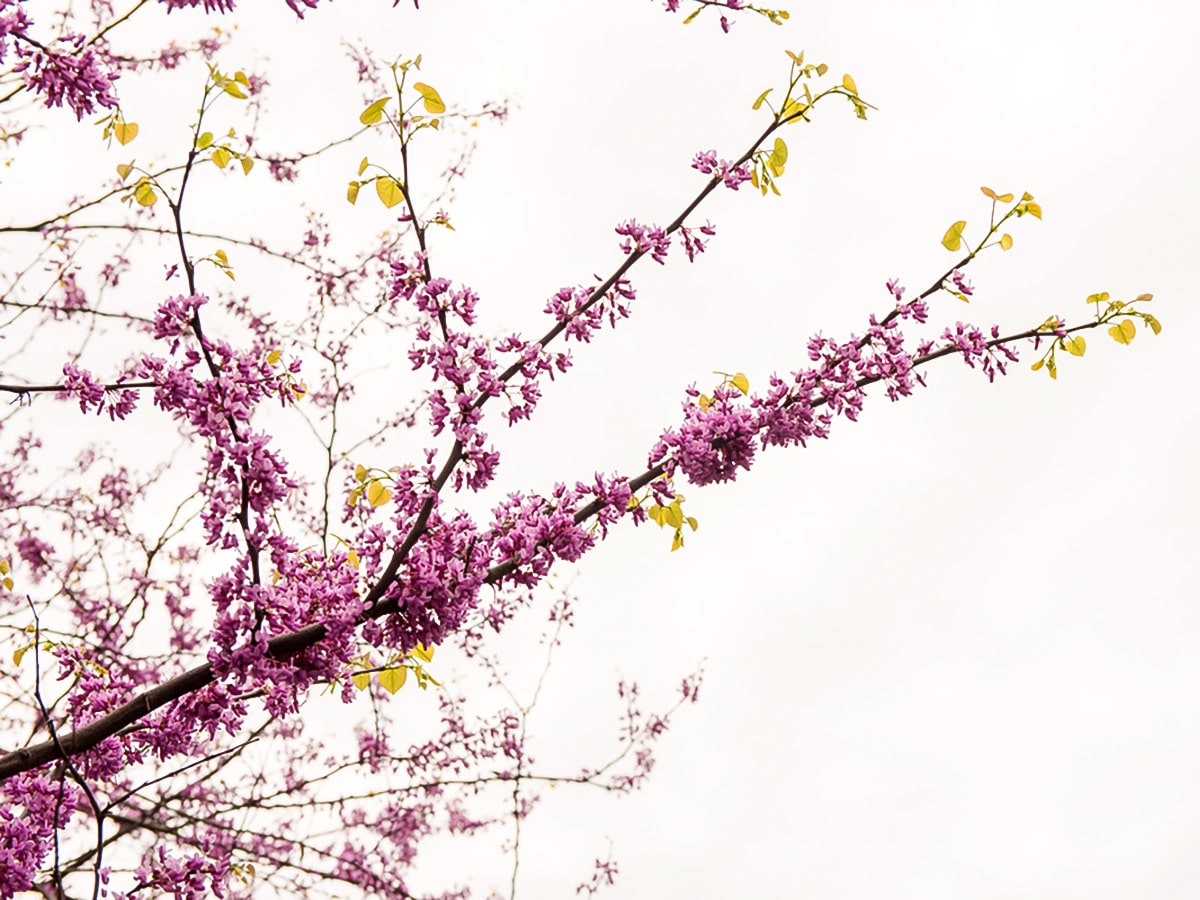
82,384
34,808
958,282
693,246
73,76
13,20
713,442
222,6
733,176
644,239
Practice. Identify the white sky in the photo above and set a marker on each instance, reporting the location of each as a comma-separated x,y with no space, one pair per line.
951,652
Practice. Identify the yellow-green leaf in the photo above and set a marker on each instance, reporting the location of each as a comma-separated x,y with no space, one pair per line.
125,132
741,382
761,98
673,515
240,78
360,473
988,192
232,89
1154,324
247,164
1075,345
692,523
362,166
19,653
1034,209
205,140
1143,298
388,190
123,169
1005,198
377,494
822,68
391,680
373,113
222,256
793,110
361,680
1123,332
779,154
953,237
221,157
144,193
1098,298
677,541
352,558
423,653
1006,242
848,84
1037,365
431,99
273,357
352,191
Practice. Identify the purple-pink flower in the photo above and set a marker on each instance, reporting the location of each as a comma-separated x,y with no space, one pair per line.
13,20
644,239
732,176
75,76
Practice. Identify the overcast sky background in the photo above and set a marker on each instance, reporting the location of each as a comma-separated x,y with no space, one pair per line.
952,651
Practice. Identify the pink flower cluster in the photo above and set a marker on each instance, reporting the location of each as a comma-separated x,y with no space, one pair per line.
533,362
221,6
975,347
84,386
531,532
582,313
242,470
717,437
13,20
465,363
175,318
191,876
645,239
693,246
34,808
733,176
74,76
957,282
713,442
